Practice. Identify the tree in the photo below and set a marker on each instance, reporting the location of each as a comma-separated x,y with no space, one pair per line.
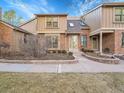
0,12
12,18
9,16
35,46
19,20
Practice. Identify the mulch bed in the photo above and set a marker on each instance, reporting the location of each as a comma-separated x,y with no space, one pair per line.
98,55
101,58
53,56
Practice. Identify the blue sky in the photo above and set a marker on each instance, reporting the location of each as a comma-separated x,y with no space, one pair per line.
26,8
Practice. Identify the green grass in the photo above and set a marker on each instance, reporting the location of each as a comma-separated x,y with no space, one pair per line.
61,83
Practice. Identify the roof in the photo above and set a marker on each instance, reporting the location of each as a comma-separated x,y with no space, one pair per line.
105,4
28,21
15,27
51,14
75,25
73,17
113,4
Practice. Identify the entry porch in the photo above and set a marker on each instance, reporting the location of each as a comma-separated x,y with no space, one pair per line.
103,41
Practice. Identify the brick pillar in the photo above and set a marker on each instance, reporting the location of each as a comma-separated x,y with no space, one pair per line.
101,42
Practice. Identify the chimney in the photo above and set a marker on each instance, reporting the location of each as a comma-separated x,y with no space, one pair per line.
0,13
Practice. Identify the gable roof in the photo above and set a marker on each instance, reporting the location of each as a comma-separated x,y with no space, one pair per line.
28,21
15,27
76,27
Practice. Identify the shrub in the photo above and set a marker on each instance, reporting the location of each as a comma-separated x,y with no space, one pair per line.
106,50
54,51
87,50
64,51
48,51
70,53
59,51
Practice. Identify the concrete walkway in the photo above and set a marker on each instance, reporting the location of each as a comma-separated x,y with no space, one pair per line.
84,65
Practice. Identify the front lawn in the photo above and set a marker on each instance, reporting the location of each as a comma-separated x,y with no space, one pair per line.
61,83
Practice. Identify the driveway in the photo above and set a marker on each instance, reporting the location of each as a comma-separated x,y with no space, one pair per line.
84,65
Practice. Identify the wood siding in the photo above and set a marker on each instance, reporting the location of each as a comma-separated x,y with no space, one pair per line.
41,25
93,19
108,18
30,26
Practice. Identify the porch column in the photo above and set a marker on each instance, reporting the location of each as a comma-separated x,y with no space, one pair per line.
100,42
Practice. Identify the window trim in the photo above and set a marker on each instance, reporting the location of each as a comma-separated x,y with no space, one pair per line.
25,39
52,22
82,44
122,34
58,39
114,15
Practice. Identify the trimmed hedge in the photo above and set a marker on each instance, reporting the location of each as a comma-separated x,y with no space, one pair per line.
86,50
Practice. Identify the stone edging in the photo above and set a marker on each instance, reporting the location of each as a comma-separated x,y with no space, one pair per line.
102,60
39,61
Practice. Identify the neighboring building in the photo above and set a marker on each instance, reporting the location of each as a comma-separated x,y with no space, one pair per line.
101,29
12,36
107,27
62,32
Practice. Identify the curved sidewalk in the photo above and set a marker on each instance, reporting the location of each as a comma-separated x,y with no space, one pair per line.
84,65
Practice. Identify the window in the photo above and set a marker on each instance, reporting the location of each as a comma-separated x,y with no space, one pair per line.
71,24
122,39
119,14
82,23
25,38
84,41
52,22
52,41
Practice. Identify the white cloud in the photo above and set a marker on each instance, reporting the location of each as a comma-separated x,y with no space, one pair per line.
81,7
37,6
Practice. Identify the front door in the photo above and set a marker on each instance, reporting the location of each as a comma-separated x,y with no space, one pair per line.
73,42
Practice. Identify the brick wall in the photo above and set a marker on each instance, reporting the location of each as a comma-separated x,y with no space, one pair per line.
108,42
63,42
6,34
118,48
87,33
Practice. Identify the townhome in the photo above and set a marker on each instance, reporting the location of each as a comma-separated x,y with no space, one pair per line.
62,32
106,22
100,29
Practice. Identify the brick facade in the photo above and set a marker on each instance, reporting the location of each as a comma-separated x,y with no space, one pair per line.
87,33
118,47
11,37
108,42
6,34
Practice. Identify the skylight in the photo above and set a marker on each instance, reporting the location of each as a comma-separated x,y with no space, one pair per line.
82,23
71,24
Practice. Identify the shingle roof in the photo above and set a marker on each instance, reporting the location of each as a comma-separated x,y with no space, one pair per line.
77,25
15,27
